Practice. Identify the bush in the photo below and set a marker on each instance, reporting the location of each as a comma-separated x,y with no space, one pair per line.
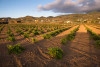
48,30
70,37
11,34
63,41
15,48
47,36
30,31
11,39
26,29
18,30
42,31
9,31
96,37
97,43
26,35
35,32
56,52
21,33
34,40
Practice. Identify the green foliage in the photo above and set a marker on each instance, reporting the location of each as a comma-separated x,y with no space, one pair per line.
26,29
18,30
48,30
9,31
21,33
47,36
56,52
54,33
11,39
11,34
93,35
16,49
70,36
34,40
30,31
42,31
63,41
97,43
1,28
26,35
35,32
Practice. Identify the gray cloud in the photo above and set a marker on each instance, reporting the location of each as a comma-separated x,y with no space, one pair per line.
70,6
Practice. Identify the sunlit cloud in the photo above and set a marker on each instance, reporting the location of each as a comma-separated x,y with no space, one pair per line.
71,6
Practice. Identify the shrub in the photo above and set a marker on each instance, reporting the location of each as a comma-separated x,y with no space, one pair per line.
48,30
34,40
11,39
11,34
47,36
26,29
97,43
15,48
63,41
56,52
70,37
21,33
35,32
42,31
93,35
96,37
30,31
26,35
18,30
9,31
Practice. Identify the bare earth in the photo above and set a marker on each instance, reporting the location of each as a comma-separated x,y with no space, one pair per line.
97,31
80,52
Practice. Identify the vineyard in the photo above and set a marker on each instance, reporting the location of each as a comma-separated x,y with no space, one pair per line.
50,45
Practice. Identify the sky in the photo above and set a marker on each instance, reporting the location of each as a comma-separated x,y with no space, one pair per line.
38,8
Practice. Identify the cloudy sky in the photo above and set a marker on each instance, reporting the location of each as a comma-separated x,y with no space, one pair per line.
37,8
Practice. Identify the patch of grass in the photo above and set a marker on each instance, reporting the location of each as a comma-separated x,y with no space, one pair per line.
11,39
55,52
16,49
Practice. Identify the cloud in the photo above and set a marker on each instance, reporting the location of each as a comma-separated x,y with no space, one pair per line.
71,6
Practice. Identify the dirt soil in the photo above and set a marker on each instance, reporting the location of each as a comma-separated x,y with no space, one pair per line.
80,52
97,31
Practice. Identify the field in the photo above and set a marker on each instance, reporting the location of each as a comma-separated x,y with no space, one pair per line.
50,45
